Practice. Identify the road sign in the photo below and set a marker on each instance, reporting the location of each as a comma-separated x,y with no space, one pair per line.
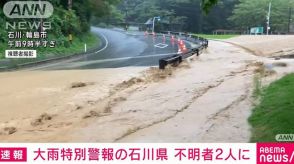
256,30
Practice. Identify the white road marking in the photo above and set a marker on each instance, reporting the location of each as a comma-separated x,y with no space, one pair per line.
106,43
79,64
70,60
161,45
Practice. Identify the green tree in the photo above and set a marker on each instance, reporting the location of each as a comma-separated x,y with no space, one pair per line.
187,15
208,4
250,13
2,26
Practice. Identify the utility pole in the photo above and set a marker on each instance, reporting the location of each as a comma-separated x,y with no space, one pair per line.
126,14
200,19
268,18
153,24
70,37
290,20
69,4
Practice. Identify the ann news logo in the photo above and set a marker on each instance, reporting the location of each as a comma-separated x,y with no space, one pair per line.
28,9
37,10
285,137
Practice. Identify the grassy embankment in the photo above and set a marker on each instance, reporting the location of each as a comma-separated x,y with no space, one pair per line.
275,113
66,49
216,36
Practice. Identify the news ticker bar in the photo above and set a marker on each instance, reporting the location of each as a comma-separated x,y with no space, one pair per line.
148,153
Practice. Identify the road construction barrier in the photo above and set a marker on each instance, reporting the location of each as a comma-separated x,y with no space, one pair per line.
183,53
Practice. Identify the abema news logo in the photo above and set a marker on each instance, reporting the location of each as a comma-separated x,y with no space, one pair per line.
272,153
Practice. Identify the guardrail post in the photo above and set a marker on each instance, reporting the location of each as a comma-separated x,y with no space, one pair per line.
162,64
180,59
197,52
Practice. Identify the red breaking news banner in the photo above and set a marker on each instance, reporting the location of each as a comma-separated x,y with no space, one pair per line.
261,153
13,154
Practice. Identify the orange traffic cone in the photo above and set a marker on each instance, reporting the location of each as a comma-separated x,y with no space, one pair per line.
181,42
181,47
172,39
184,49
180,50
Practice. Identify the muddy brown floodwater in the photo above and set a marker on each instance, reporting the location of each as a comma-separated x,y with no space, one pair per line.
205,99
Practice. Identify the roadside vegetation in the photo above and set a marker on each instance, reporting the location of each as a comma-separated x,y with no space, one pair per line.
198,16
252,13
67,48
68,21
274,114
76,47
216,36
203,16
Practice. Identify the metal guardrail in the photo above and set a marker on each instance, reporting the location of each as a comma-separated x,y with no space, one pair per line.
177,58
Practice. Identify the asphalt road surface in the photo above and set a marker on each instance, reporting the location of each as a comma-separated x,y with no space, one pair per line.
122,49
